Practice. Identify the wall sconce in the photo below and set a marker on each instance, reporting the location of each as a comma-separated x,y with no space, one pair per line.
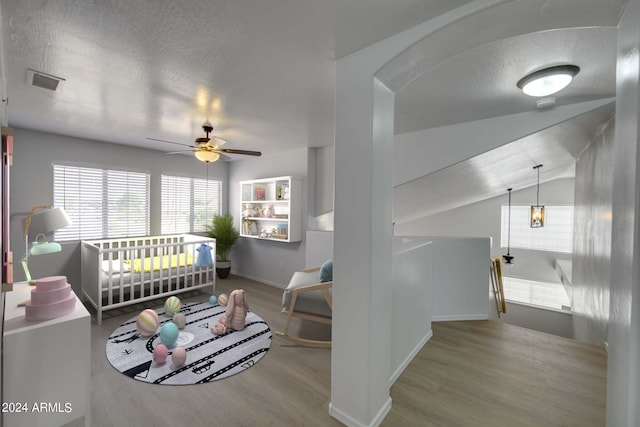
537,211
50,219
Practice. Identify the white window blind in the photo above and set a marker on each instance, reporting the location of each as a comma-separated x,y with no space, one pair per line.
101,203
188,204
555,236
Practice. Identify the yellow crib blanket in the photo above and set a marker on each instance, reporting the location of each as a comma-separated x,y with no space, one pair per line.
158,262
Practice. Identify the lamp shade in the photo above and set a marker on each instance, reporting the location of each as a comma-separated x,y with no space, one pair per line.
49,220
207,156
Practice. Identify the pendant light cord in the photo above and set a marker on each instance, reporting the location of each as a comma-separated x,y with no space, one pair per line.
509,225
538,187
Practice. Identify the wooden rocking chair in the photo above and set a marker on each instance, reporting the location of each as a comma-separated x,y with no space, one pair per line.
307,298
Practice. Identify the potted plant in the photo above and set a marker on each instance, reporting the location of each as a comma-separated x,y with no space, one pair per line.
226,235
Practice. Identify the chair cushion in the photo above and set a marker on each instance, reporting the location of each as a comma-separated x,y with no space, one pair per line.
308,302
326,271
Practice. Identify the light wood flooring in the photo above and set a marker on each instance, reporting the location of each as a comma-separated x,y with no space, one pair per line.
469,374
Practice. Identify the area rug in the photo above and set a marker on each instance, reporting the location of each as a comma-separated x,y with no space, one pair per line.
209,357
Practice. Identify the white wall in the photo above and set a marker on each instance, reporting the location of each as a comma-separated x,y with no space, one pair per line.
32,184
548,321
482,219
623,370
461,274
592,239
412,300
268,261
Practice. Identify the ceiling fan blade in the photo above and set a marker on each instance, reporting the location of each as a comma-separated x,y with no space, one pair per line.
170,142
225,158
181,151
233,151
212,137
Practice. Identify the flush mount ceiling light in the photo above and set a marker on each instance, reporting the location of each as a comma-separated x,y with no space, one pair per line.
548,80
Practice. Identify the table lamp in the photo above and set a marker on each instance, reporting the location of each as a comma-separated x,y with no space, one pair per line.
48,220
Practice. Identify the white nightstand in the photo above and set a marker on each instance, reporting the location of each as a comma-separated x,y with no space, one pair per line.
47,366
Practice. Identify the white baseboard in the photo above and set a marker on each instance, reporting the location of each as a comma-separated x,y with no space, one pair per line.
351,422
409,358
259,279
454,317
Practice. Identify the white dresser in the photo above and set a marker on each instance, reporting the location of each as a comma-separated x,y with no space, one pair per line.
47,366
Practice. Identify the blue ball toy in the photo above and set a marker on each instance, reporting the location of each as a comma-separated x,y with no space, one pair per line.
169,334
213,300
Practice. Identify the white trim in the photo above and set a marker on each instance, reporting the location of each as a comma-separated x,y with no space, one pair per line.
259,279
540,307
410,357
454,317
348,420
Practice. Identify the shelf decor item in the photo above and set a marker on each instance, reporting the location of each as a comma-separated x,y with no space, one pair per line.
226,235
272,208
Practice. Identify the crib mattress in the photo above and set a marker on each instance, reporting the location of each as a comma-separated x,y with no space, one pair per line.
121,275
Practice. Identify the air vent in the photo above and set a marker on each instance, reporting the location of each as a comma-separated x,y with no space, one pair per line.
43,80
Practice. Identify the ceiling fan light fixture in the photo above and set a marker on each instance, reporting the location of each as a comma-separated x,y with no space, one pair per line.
548,80
207,156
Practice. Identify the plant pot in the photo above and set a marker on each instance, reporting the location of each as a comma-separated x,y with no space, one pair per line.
223,268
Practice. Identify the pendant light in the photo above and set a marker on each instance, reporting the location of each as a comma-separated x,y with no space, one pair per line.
537,211
508,258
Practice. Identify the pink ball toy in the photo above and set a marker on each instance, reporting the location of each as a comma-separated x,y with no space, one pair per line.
160,353
179,356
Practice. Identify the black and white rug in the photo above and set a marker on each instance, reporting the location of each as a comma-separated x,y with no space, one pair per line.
209,357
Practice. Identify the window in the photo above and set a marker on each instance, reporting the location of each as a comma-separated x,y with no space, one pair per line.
555,236
101,203
188,204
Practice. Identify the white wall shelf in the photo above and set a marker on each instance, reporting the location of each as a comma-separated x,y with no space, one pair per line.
272,209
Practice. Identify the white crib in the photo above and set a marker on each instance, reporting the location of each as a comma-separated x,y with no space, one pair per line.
120,272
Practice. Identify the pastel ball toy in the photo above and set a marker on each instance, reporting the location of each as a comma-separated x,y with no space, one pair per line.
160,353
213,300
147,322
179,356
222,300
169,334
172,305
180,320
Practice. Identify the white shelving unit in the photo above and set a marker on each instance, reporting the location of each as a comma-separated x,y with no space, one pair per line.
272,209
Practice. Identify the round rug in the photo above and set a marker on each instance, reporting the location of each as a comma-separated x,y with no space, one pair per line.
209,357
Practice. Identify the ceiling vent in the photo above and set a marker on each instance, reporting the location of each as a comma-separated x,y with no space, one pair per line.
43,80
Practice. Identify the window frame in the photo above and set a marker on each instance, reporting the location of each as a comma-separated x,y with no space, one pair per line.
194,184
111,179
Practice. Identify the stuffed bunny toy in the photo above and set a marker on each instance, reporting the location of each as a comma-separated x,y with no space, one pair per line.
235,314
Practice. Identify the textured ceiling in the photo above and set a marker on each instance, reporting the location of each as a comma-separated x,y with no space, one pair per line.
263,72
481,83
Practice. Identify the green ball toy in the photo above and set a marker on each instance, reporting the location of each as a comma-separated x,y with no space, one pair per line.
169,334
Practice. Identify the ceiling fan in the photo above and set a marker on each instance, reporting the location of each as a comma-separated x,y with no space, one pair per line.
207,149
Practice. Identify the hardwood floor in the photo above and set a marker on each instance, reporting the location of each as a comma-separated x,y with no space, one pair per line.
486,373
469,374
